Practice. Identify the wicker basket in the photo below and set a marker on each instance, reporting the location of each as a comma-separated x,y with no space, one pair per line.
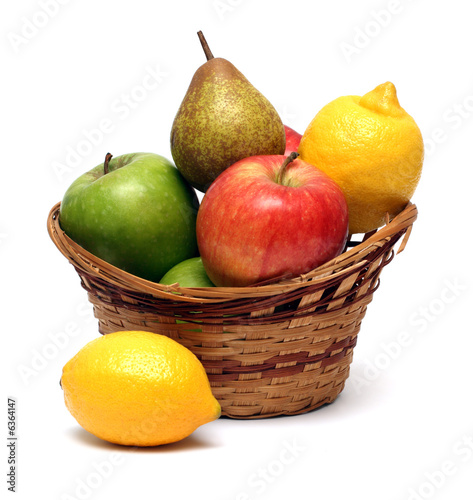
280,348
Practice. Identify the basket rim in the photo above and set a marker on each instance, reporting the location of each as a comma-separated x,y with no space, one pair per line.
344,264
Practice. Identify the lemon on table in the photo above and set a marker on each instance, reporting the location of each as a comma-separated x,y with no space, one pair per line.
372,148
138,388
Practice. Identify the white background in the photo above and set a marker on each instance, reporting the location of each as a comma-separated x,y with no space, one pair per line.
405,414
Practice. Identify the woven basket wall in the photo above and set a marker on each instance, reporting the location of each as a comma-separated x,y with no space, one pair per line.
277,349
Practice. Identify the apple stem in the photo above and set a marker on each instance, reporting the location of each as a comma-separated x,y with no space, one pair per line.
283,168
108,157
205,46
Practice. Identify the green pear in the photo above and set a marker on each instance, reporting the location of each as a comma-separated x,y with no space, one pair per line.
222,119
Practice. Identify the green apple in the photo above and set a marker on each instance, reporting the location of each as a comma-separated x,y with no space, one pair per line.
135,211
189,273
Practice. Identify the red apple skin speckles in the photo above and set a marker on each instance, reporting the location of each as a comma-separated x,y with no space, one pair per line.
252,227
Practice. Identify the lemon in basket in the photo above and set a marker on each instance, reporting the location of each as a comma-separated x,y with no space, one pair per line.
372,148
138,388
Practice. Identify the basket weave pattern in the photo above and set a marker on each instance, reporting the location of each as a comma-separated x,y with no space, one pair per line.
280,348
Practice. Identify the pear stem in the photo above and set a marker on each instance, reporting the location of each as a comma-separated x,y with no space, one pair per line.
205,46
283,168
108,157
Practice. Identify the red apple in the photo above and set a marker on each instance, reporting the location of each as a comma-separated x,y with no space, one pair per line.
292,140
269,216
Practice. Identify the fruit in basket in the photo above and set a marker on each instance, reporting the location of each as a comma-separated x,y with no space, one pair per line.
293,140
221,120
138,388
270,216
189,273
372,148
135,211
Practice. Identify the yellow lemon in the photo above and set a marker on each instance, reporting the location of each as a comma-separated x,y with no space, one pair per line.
372,148
138,388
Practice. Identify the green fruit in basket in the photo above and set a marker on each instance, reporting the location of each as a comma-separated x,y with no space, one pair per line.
135,211
189,273
221,120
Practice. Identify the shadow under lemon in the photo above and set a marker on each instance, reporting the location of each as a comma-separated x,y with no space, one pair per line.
189,443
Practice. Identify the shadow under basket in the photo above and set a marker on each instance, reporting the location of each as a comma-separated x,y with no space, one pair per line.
281,348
